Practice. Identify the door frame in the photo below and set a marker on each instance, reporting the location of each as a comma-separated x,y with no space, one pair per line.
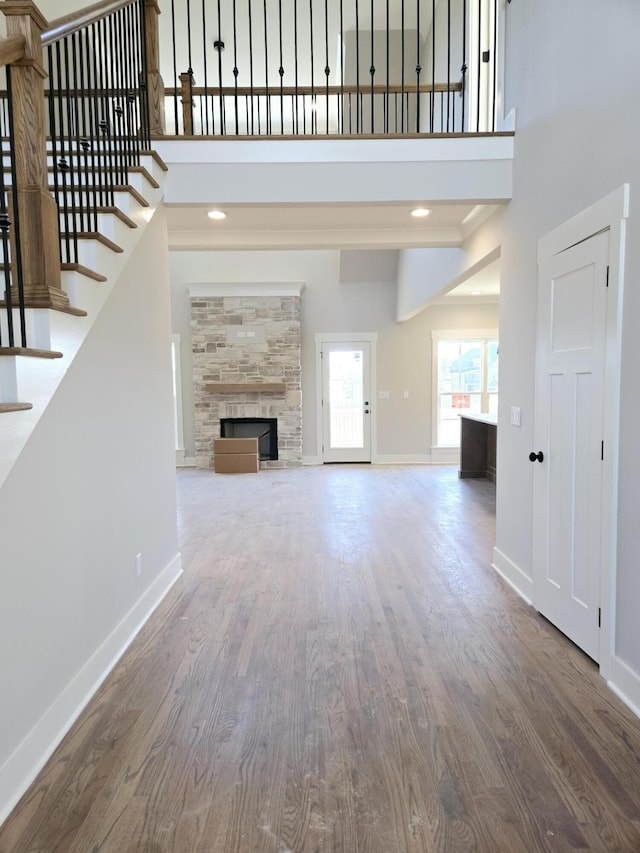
610,213
345,337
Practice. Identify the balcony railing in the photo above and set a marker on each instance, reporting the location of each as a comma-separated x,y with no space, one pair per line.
331,67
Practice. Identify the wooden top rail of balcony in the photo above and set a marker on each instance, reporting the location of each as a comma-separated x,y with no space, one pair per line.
315,91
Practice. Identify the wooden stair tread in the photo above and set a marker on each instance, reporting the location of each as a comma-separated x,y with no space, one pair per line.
112,211
144,152
63,309
137,170
151,152
30,352
93,235
82,270
15,407
116,188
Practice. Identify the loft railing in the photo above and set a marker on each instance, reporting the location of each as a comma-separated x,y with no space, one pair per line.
331,67
240,68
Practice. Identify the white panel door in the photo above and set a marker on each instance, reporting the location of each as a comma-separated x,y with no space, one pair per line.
346,402
568,435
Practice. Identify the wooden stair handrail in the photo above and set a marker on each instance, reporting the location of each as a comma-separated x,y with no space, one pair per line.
12,49
68,24
318,91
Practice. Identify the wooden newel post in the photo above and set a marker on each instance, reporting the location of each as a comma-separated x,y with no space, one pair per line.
186,82
154,80
39,226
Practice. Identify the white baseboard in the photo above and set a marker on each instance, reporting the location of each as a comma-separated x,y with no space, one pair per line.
402,459
183,461
312,460
445,455
625,683
22,767
513,575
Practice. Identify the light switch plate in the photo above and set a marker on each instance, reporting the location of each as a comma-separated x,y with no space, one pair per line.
515,416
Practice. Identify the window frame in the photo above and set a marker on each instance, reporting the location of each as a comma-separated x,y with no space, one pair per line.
482,336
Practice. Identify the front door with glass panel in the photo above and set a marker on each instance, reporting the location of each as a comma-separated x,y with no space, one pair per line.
346,402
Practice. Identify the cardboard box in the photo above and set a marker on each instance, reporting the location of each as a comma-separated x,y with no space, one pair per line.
236,463
236,456
235,445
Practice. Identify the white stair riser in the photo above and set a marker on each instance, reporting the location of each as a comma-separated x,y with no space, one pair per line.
8,380
108,225
37,326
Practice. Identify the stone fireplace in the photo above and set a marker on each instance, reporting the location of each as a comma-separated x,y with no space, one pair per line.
246,364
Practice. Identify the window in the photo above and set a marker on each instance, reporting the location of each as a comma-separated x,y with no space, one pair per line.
465,380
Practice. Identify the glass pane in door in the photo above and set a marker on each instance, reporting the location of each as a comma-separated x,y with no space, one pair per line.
346,399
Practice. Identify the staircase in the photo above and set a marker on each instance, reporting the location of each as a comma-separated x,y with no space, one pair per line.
79,183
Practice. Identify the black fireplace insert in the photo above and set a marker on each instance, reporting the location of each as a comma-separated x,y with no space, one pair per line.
264,429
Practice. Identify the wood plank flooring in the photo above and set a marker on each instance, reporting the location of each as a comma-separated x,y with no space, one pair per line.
340,670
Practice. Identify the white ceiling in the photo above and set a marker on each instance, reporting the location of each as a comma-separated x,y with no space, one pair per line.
484,286
315,226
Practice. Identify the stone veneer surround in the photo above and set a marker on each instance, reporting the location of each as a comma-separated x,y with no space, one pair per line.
219,356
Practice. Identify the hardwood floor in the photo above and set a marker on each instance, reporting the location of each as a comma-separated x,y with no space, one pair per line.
340,669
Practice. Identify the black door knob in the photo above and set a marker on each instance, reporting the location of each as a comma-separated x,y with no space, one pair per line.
536,457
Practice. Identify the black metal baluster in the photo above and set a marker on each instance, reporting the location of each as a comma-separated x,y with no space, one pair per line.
251,74
494,65
372,69
235,68
8,262
205,126
120,61
281,68
418,66
313,118
479,69
342,72
77,208
56,89
386,96
107,196
82,214
402,68
295,66
357,68
432,96
141,51
327,69
132,83
223,128
116,122
110,159
448,62
5,227
175,67
463,122
17,276
266,67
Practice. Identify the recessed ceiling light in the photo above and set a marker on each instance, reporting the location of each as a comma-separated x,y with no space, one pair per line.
216,214
420,211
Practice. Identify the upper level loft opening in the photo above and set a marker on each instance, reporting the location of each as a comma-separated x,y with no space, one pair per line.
345,68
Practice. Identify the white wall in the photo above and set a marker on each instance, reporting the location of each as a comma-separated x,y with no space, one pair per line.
93,487
329,305
576,141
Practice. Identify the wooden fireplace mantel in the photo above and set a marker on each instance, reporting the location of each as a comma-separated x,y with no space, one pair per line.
241,387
